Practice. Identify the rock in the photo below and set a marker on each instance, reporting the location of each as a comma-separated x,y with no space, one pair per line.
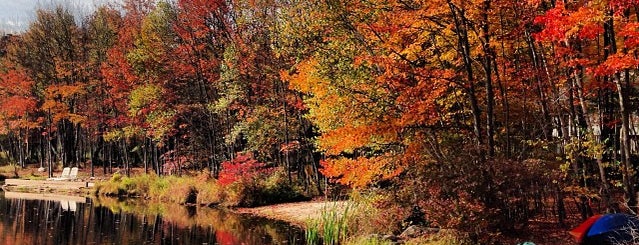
41,169
416,217
391,238
412,232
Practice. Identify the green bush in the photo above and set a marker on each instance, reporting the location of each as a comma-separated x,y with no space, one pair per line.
158,187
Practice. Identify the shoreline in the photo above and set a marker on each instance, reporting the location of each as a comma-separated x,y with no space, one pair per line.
47,186
45,196
295,213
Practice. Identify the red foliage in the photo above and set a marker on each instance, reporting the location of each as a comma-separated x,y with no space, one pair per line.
225,238
243,167
561,24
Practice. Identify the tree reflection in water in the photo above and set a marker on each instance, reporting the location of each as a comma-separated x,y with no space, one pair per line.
110,221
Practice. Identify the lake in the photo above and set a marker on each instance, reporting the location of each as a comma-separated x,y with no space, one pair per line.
58,220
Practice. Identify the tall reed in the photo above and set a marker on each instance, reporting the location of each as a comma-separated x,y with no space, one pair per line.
332,226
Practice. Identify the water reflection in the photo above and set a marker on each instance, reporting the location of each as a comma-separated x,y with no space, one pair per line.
51,220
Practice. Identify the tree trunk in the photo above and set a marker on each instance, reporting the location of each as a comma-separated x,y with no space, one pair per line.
622,93
145,155
503,90
464,47
490,94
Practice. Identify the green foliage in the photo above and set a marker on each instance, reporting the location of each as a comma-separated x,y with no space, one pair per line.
152,45
332,227
110,188
583,147
144,97
312,233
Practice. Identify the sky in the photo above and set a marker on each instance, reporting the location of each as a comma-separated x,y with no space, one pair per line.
15,15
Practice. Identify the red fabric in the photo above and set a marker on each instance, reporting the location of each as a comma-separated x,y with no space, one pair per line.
581,230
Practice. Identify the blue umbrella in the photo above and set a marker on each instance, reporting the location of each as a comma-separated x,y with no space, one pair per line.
613,229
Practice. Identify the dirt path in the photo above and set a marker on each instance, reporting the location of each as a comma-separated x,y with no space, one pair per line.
298,213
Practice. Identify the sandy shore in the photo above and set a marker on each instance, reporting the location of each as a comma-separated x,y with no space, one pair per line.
44,196
298,213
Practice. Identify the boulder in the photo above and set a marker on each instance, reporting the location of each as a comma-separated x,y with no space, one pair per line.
412,232
391,238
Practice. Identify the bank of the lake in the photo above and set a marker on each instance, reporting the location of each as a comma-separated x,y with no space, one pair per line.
271,197
46,185
297,213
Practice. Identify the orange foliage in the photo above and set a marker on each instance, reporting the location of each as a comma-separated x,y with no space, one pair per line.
362,171
630,32
349,138
616,63
16,102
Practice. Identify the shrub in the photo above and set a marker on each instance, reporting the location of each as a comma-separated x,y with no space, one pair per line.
210,193
268,189
243,168
250,183
246,183
8,169
109,188
277,189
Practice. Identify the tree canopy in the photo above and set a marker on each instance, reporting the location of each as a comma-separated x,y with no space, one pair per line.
483,107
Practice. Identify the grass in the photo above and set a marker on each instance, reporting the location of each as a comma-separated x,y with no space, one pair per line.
150,186
312,233
332,227
360,222
368,240
200,189
446,238
34,177
443,237
8,170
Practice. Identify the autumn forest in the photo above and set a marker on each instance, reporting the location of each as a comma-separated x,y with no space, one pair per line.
483,113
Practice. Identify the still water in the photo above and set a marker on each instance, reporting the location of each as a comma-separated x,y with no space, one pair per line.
38,219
